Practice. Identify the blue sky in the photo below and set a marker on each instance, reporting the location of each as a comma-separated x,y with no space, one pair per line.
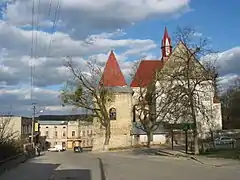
217,19
142,23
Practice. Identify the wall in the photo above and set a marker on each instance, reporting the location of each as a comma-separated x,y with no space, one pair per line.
12,126
51,136
120,128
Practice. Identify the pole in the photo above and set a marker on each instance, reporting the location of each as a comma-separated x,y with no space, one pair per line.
172,139
33,121
186,141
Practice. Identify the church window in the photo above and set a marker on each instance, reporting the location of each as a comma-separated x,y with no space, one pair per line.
134,113
112,114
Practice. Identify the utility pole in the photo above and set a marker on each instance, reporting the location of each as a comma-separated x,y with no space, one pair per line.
33,121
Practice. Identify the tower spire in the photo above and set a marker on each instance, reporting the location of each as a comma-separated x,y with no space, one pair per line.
112,74
166,45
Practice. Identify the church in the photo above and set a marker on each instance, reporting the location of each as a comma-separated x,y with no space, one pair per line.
123,132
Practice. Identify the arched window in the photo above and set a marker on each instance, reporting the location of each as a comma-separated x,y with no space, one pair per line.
134,113
112,114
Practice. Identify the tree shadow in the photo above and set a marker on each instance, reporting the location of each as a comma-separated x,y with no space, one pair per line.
72,174
45,171
145,151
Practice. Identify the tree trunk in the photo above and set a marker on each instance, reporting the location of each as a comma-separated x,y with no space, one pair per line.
149,139
212,139
195,129
195,139
107,137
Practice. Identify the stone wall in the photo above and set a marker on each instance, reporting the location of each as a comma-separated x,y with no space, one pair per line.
120,128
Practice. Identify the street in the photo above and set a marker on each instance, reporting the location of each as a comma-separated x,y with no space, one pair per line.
116,166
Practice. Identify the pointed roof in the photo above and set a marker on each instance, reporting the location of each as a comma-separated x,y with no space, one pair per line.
165,36
145,72
112,74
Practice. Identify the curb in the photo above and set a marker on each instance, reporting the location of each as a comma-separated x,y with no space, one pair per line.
164,153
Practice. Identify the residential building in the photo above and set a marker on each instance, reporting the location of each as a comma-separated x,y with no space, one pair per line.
16,126
69,130
55,131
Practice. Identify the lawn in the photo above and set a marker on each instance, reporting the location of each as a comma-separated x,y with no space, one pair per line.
227,154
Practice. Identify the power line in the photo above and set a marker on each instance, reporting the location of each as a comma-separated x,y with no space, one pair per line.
56,16
32,52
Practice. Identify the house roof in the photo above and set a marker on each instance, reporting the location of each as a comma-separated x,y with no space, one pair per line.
112,74
63,117
146,72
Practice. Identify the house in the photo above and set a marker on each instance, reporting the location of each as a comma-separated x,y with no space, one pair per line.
67,130
16,127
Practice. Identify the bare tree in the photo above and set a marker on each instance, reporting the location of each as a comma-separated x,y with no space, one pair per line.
230,100
152,107
86,91
7,133
193,81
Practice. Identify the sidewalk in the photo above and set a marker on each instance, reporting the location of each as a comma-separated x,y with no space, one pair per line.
217,162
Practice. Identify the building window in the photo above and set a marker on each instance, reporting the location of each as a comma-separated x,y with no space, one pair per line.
134,113
56,133
83,133
83,143
112,114
64,133
73,133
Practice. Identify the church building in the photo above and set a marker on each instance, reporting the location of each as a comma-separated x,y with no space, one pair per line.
121,109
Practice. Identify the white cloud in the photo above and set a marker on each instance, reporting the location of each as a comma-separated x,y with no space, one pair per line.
88,15
86,30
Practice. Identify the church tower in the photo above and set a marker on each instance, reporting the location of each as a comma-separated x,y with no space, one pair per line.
119,109
166,46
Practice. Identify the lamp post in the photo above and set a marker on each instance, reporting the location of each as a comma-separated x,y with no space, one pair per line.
33,121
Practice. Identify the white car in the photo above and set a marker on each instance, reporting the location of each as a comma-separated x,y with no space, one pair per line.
224,140
57,148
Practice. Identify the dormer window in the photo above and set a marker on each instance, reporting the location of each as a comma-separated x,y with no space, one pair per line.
112,114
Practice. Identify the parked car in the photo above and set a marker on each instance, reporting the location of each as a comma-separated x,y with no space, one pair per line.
57,148
224,140
77,149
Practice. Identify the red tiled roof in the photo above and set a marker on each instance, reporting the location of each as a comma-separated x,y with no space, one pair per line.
145,72
112,74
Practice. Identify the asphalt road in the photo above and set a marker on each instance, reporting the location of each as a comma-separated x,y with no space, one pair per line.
117,166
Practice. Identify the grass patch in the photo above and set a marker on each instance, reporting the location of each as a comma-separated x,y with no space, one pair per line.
227,154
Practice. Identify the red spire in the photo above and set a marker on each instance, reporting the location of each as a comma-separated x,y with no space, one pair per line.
166,45
112,74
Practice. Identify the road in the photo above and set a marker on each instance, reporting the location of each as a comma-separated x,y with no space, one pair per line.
117,166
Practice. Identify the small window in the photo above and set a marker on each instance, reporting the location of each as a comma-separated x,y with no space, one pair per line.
134,113
56,133
112,114
73,133
83,133
64,133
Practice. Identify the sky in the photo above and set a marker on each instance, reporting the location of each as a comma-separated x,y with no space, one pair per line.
87,30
